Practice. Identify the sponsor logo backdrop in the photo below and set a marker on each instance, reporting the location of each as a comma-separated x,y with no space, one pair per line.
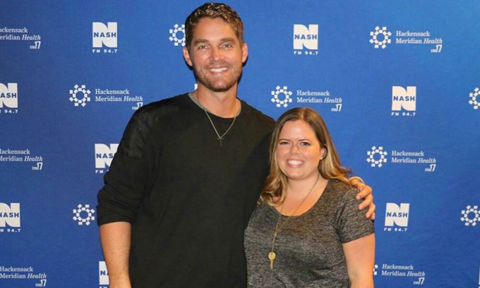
396,81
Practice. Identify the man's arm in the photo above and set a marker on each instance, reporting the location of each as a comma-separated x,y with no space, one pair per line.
365,194
115,238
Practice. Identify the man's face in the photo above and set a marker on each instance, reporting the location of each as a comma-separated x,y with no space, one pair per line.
216,55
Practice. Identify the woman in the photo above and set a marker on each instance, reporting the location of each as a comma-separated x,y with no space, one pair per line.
307,230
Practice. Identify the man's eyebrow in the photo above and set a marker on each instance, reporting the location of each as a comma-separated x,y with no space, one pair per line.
200,41
227,39
203,41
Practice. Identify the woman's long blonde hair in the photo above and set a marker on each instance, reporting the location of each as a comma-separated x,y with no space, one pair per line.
329,167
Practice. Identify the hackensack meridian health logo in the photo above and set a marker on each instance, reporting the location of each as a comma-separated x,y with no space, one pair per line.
79,95
376,157
83,214
473,98
281,96
177,35
470,215
380,37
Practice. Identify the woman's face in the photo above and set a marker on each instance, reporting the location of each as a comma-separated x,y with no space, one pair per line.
298,151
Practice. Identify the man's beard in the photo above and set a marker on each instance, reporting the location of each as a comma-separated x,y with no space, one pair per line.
224,83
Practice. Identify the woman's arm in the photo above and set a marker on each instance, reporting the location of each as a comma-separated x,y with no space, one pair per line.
360,257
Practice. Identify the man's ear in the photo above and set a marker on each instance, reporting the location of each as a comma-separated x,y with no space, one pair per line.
186,56
244,52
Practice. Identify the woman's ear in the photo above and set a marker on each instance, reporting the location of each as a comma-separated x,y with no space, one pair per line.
323,152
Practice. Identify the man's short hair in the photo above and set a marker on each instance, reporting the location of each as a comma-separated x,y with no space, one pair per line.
213,10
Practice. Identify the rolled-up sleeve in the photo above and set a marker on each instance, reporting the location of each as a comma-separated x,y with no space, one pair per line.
124,184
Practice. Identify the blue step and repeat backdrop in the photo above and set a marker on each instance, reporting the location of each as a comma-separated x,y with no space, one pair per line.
397,82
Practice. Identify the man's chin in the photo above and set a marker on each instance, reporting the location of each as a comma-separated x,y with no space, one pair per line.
219,88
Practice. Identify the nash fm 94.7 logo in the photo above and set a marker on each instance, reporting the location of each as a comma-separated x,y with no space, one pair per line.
104,36
10,217
103,280
396,217
305,39
9,98
103,156
404,101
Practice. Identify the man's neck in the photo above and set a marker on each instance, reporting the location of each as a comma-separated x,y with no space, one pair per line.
222,104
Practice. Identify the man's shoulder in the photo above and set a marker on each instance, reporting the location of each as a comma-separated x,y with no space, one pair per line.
255,115
163,108
164,105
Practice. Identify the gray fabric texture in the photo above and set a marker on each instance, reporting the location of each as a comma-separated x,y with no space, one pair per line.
309,247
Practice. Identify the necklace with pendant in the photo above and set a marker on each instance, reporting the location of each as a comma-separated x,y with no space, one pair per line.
220,137
278,227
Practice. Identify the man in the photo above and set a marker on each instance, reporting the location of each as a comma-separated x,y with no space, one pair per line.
188,172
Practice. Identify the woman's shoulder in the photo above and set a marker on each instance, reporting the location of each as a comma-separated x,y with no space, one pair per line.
340,188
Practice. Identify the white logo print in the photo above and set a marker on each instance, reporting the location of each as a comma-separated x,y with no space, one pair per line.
177,40
104,34
473,101
103,273
377,161
406,99
36,46
77,100
473,211
305,37
83,214
397,216
377,40
286,96
41,283
9,95
10,215
104,155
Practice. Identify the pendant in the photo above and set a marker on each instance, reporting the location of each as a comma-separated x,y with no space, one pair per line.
271,256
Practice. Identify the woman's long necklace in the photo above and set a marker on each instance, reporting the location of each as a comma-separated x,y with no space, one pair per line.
279,227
